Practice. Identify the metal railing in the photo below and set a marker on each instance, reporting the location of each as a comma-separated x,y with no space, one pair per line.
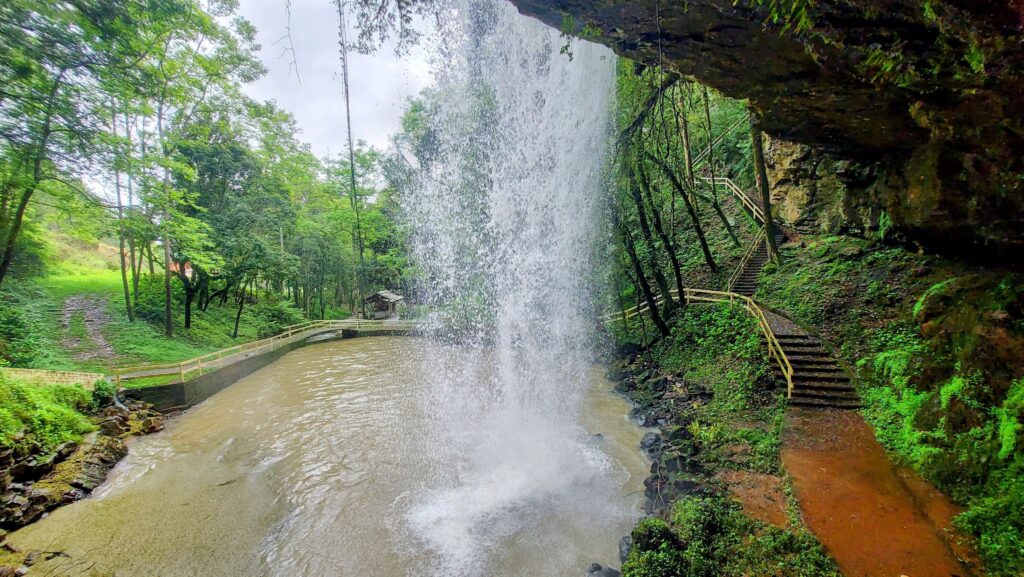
693,296
46,377
754,245
225,357
754,209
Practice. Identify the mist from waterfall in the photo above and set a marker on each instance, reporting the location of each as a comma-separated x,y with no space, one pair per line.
504,211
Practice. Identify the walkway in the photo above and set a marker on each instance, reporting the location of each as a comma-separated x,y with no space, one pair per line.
874,521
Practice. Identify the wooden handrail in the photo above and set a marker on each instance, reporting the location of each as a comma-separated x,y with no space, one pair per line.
702,155
693,296
48,377
758,239
775,349
755,210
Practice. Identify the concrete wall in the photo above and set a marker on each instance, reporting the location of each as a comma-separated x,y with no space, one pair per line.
178,396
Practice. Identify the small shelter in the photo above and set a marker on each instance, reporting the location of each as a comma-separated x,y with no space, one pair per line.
382,304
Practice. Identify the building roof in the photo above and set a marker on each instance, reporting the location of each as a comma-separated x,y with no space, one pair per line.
386,296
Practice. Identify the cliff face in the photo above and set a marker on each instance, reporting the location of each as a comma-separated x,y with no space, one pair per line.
917,104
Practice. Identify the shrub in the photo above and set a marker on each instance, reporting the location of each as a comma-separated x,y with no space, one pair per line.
272,317
17,345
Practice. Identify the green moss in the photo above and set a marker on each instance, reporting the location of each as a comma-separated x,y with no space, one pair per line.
932,291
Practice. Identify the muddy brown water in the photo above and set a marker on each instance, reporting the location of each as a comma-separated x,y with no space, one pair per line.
305,468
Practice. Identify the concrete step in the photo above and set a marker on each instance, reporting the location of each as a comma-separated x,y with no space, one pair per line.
806,356
824,403
799,393
815,367
809,377
799,339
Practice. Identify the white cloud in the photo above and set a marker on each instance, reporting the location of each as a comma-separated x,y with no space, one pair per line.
380,83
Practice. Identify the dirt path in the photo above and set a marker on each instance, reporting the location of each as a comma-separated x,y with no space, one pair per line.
93,311
875,520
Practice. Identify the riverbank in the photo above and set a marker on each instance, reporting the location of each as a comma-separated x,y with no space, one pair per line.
334,435
790,491
719,500
35,482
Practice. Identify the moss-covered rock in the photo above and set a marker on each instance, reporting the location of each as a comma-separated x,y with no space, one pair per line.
921,95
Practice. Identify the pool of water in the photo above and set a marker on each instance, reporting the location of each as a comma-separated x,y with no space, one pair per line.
311,467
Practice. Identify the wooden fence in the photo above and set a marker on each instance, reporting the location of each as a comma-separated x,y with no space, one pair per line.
44,377
694,296
754,209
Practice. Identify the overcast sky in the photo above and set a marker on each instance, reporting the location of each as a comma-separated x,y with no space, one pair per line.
380,83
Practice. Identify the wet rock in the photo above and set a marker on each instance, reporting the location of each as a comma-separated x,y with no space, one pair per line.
650,441
625,546
113,426
596,570
677,434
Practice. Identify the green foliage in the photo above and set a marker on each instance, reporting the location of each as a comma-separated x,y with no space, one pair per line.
710,537
709,339
103,393
794,15
975,57
36,419
272,317
17,343
934,290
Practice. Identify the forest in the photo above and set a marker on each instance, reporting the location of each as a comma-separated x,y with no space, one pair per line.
812,306
144,141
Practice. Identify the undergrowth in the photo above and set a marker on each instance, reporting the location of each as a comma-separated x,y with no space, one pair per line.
36,419
936,349
717,349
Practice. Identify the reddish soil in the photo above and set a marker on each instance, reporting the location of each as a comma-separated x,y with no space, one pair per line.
860,507
760,495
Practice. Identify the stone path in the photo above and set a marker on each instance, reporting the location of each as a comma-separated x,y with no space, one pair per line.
93,309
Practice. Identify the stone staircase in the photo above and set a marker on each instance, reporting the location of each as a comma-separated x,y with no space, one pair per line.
746,282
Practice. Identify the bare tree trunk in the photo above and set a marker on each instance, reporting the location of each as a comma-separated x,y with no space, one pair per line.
120,224
645,287
645,186
694,218
762,184
711,168
645,229
238,315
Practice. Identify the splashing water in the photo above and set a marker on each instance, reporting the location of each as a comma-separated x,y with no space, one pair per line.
504,209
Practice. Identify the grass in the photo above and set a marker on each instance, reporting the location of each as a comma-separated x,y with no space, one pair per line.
37,419
38,306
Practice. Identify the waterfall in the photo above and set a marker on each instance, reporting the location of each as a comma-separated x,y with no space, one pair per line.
503,213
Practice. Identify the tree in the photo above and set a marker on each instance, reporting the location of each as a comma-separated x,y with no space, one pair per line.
762,185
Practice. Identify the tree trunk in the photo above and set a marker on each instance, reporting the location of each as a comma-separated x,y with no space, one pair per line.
238,315
645,287
666,240
711,169
120,226
694,218
37,176
762,185
645,229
